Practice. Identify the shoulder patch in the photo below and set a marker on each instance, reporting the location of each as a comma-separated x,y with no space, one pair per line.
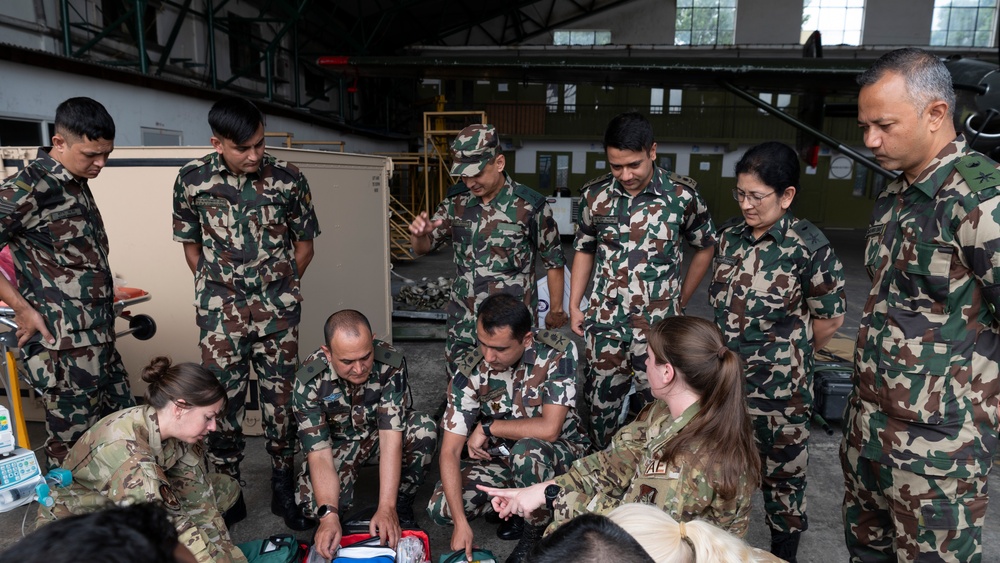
309,371
730,223
531,196
459,188
813,238
596,181
685,180
194,166
467,362
978,171
388,355
553,339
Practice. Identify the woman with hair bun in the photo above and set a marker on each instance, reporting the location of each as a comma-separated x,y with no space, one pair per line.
155,453
690,453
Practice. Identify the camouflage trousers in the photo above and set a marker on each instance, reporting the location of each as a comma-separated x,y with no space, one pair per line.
530,461
895,515
612,367
782,442
80,387
419,440
273,356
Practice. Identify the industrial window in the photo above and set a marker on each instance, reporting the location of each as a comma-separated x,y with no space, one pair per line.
963,23
675,101
115,10
656,101
782,102
581,37
705,22
569,98
23,133
244,55
838,21
155,137
552,98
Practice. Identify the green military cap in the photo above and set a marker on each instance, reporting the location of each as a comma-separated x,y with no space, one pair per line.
474,147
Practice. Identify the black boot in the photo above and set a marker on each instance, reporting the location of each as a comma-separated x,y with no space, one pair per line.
528,540
404,511
785,544
236,513
511,528
283,501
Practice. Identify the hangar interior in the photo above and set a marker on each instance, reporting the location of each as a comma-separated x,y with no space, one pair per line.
396,79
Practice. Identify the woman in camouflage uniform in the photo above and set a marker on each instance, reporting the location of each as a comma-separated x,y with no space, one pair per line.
778,294
690,452
155,453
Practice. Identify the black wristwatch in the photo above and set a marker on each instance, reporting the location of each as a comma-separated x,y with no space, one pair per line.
326,509
551,492
486,427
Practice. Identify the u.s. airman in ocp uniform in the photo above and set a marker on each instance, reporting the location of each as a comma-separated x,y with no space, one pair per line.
247,223
497,227
64,302
351,402
516,390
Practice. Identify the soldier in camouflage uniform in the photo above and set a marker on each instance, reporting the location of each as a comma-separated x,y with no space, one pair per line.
689,453
64,307
921,423
497,227
632,225
247,223
778,294
521,387
155,453
351,399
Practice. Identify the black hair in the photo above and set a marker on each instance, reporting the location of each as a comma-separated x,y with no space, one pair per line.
774,163
347,320
503,309
629,131
118,534
187,382
235,119
84,118
927,79
589,538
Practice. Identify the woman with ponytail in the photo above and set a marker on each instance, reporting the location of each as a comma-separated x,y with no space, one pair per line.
778,294
690,453
155,453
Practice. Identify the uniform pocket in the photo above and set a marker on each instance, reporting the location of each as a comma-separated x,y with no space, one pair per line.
920,281
272,225
507,248
914,380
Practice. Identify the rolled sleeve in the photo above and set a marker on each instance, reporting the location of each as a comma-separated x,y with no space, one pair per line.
549,244
442,232
825,285
314,434
586,234
391,410
979,236
187,224
698,228
302,222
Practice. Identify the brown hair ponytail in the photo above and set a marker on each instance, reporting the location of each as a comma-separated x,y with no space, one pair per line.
694,347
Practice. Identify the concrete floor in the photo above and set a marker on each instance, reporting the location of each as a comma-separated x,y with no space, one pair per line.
823,542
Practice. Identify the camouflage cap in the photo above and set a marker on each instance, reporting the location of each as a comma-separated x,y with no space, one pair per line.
473,148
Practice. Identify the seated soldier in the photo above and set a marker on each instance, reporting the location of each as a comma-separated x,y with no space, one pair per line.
521,387
350,397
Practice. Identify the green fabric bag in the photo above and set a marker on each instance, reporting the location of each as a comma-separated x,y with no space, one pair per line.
478,556
283,548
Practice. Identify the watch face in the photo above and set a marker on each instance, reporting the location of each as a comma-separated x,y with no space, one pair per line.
552,491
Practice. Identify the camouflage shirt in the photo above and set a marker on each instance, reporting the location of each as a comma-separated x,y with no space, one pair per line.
51,224
765,293
329,409
926,371
632,470
636,241
122,459
546,375
495,246
246,225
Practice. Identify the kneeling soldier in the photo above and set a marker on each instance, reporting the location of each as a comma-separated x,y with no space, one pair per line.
350,396
521,384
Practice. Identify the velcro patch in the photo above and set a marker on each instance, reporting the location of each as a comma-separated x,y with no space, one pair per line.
461,223
508,227
66,214
727,260
211,202
875,230
605,220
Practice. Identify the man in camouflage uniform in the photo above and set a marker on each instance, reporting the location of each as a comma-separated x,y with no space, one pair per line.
632,224
247,223
921,424
520,385
777,293
64,307
497,226
351,398
125,459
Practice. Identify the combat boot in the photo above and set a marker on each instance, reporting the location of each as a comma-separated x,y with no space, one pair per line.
530,537
511,528
283,501
404,511
785,544
236,513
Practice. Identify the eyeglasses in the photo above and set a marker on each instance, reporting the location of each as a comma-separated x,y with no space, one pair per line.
755,199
